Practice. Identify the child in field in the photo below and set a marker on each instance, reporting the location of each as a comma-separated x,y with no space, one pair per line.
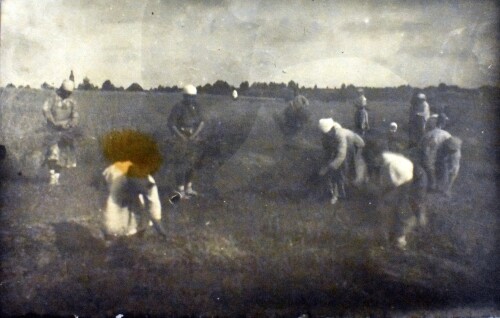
394,142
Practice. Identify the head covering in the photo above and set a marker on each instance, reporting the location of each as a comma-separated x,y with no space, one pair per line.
326,124
68,85
421,96
360,101
189,90
360,90
393,126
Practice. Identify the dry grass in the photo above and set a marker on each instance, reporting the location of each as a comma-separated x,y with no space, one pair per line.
267,245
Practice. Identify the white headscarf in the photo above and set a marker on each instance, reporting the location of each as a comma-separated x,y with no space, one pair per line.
326,124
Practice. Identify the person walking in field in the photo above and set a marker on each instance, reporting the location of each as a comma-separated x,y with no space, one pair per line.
419,114
186,123
342,148
361,122
60,112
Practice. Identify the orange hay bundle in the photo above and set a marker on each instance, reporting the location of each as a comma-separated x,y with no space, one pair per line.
134,146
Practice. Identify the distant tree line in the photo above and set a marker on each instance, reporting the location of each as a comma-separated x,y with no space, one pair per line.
286,91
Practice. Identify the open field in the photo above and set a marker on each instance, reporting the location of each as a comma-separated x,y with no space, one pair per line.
262,241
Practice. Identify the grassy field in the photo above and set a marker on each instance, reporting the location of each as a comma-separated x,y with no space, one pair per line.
261,241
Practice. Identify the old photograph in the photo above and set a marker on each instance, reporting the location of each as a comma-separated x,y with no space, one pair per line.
231,158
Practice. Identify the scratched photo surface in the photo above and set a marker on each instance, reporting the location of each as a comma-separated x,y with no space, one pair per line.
235,158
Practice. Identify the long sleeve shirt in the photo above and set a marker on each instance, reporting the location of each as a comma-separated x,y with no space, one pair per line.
60,113
186,118
337,143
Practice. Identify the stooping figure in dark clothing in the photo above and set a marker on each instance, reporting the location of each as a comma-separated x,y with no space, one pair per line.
342,149
186,123
294,118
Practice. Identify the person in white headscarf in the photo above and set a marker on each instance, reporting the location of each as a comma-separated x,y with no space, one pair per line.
341,147
60,112
401,205
186,123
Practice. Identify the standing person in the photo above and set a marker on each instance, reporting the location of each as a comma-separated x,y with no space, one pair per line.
341,147
62,121
72,77
419,114
360,98
361,122
186,122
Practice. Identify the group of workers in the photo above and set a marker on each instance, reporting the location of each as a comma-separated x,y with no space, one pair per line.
368,158
351,158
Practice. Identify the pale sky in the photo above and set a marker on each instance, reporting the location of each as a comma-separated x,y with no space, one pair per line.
324,43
